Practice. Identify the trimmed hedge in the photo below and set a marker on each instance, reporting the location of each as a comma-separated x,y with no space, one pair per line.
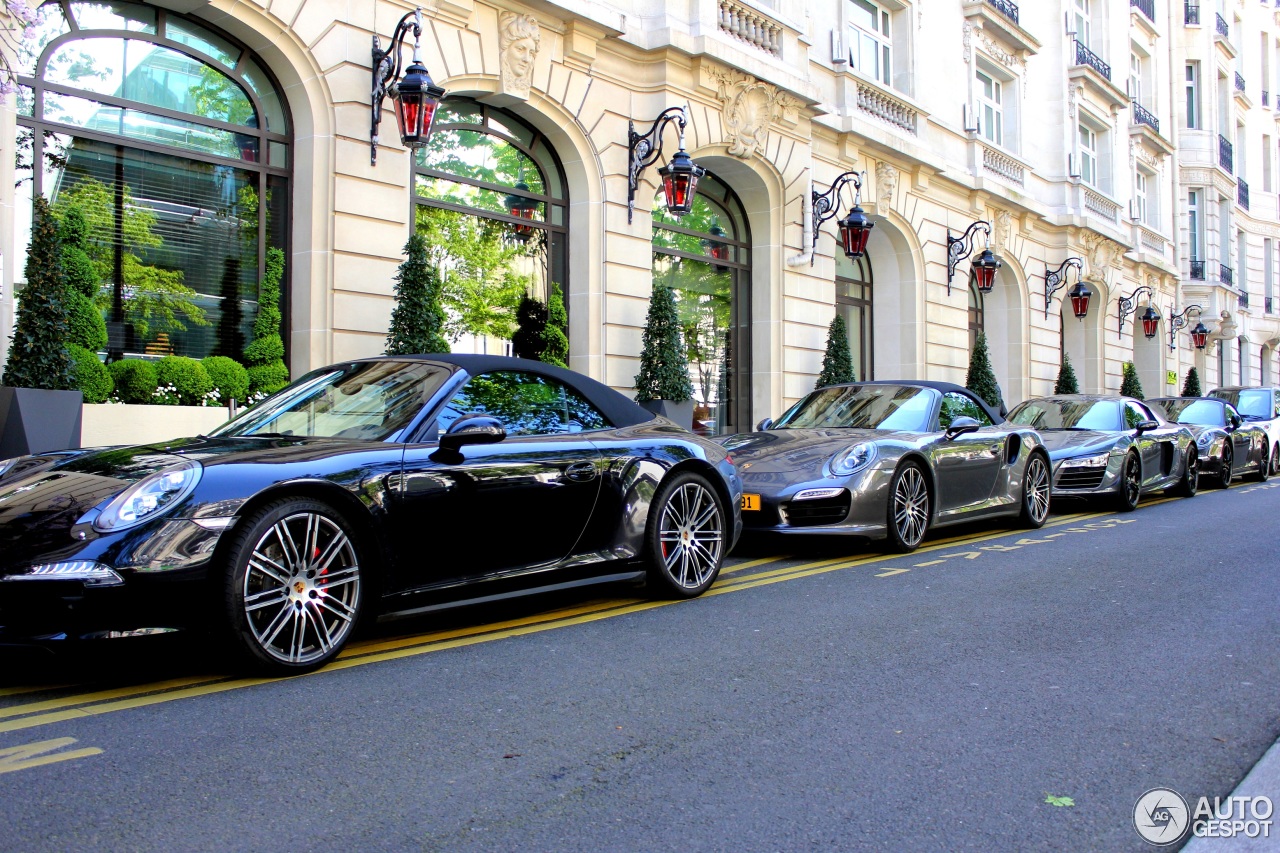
229,378
190,380
135,380
92,377
85,326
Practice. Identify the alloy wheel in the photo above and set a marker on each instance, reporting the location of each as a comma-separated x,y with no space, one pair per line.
301,589
691,535
1130,483
1036,498
910,506
1225,473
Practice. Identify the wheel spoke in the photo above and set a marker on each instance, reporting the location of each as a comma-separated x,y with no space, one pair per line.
338,543
350,574
287,545
269,567
337,607
299,640
321,628
266,598
277,624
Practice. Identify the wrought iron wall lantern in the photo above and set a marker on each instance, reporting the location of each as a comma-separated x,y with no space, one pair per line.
1178,319
855,228
524,208
984,267
680,175
416,97
1150,317
1055,280
716,247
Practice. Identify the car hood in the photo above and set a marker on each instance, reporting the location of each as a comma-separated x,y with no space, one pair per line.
1062,443
798,454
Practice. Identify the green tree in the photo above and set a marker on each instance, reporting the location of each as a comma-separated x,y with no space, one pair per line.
264,357
531,323
86,328
837,362
38,357
1066,383
1191,388
1129,385
155,299
555,336
981,379
417,321
664,368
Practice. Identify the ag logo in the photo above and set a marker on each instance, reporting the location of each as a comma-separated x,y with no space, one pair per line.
1160,816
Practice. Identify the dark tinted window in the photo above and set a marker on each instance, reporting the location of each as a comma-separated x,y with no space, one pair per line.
526,403
895,407
956,405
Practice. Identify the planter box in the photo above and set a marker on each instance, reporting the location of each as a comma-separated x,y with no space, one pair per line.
681,413
33,420
109,424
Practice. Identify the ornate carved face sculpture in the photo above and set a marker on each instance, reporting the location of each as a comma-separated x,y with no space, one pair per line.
520,54
518,45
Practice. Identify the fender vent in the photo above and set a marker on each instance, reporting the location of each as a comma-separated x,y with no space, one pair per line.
1012,448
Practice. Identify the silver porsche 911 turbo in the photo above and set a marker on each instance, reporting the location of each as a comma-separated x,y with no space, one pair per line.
889,460
1111,446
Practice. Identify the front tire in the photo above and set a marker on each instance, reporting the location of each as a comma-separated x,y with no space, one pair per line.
1036,492
1264,465
908,508
1190,482
1225,474
1130,486
292,587
685,537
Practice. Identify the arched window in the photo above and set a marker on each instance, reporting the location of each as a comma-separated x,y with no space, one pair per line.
173,140
491,198
977,316
853,301
705,258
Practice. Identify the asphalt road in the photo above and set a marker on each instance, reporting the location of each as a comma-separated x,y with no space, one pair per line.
838,699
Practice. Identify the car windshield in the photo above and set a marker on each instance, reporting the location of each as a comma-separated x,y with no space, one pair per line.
363,399
1196,412
1250,402
894,407
1068,414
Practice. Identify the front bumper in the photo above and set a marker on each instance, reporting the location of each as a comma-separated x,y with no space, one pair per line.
860,510
1086,481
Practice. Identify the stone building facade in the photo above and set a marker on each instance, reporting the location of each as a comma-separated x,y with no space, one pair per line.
1123,134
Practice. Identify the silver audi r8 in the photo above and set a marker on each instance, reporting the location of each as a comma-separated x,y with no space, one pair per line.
889,460
1108,445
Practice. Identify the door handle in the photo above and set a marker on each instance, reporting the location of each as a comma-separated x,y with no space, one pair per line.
580,472
995,449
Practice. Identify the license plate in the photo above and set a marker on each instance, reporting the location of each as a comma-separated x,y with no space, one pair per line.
750,502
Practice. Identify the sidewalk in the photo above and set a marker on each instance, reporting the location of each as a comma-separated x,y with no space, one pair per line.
1263,781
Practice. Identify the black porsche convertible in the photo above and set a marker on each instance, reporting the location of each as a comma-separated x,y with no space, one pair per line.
378,487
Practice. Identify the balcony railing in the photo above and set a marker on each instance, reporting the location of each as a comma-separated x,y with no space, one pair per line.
1146,7
1006,8
1239,82
1191,13
1225,274
1225,158
1197,270
1242,299
882,105
1084,56
1100,205
1004,166
745,23
1220,25
1242,193
1142,115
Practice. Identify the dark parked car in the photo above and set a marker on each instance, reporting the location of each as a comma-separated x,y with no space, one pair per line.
889,459
379,487
1227,443
1108,445
1260,404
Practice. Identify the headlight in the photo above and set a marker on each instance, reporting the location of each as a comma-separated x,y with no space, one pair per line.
1098,460
149,497
1205,439
853,459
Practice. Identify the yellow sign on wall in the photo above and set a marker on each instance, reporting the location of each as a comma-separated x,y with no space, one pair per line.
1171,377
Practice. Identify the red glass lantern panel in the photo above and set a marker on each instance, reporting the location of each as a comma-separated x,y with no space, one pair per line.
1200,336
1150,322
1080,296
855,231
680,182
984,271
522,207
416,99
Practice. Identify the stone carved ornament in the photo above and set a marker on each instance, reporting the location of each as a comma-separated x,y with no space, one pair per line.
749,108
1001,227
519,38
886,184
1103,254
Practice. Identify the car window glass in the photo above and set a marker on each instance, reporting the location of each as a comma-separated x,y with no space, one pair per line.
955,405
1197,412
894,407
525,403
1133,415
1055,413
1255,404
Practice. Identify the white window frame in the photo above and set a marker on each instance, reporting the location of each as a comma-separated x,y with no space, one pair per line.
871,50
1195,226
1141,195
1135,78
1088,144
1082,16
990,106
1192,83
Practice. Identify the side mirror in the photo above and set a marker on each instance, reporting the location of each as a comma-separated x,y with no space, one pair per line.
961,425
1145,426
476,428
1235,423
764,424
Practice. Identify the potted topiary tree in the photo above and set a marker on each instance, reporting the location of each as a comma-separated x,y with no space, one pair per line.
1191,388
264,357
1066,383
1129,385
417,321
981,379
663,385
39,411
837,363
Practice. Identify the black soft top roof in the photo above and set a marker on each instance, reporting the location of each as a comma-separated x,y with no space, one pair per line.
620,411
941,387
